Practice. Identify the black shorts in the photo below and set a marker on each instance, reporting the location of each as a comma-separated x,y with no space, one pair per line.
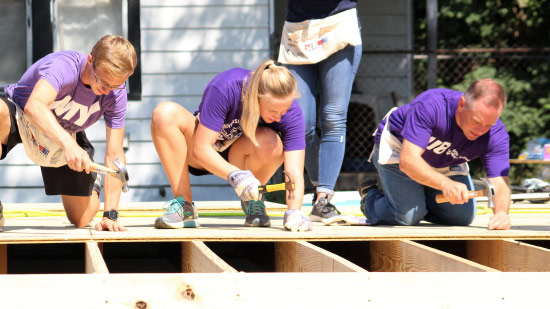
57,180
200,172
65,181
13,138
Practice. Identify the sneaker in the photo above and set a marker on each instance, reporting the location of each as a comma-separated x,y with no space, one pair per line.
179,214
364,188
97,184
1,216
323,209
255,214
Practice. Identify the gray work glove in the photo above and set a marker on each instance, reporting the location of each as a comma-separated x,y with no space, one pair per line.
296,220
245,184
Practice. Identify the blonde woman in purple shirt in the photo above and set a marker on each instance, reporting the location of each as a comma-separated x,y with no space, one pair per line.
58,97
247,125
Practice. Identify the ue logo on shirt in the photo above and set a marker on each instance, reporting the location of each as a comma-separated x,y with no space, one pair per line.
440,147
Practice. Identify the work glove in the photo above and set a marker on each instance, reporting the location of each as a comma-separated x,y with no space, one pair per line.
296,220
245,184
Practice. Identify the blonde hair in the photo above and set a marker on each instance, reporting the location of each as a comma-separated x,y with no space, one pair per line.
267,79
116,55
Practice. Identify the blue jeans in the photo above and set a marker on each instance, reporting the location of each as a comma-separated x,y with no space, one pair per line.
406,202
334,78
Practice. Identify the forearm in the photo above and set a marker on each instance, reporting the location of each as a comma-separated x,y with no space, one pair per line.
212,161
297,201
502,197
294,165
421,172
112,186
42,117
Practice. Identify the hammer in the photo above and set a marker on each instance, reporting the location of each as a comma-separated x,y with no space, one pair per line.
287,185
120,174
488,191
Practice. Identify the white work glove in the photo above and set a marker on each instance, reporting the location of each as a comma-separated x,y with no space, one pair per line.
296,220
245,184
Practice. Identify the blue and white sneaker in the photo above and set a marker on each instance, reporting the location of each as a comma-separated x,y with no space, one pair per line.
179,214
256,215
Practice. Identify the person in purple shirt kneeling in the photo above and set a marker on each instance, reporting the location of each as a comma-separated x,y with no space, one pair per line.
422,149
56,99
246,126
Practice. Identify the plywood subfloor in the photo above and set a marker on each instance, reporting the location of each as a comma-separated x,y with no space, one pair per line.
42,226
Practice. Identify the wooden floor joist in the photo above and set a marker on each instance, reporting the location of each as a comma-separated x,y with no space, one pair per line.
198,258
509,255
95,264
3,259
408,256
301,256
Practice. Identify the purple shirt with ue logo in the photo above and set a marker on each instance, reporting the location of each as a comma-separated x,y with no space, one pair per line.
76,107
429,122
221,111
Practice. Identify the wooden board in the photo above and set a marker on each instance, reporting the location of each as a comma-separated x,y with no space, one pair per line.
140,222
509,255
280,290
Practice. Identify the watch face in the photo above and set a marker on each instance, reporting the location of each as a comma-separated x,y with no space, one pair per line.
113,215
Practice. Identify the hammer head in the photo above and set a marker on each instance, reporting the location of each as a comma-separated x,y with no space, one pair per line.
488,190
122,174
289,185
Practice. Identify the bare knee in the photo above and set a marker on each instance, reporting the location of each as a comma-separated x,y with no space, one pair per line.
164,115
271,146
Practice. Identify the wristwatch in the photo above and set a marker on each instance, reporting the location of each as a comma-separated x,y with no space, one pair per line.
111,214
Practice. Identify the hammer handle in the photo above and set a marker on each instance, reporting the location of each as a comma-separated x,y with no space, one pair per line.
440,198
271,188
102,169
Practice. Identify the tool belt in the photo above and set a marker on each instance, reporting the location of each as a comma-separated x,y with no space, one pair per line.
39,148
314,40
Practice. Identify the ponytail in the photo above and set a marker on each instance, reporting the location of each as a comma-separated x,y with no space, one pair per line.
268,79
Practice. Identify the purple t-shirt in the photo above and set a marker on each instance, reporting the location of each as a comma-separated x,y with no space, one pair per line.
76,107
429,122
221,110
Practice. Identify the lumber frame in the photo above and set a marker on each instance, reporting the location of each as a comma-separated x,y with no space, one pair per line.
508,255
95,264
301,256
408,256
196,257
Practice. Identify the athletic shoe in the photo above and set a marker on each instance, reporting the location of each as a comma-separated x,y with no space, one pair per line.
97,184
323,209
364,188
255,214
179,214
2,220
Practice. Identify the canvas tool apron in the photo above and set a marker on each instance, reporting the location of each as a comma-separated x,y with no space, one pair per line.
39,148
314,40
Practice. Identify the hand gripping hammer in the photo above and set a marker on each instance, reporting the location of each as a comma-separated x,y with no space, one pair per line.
488,191
121,173
287,185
